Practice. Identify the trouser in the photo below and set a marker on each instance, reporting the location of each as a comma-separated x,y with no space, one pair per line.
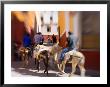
63,52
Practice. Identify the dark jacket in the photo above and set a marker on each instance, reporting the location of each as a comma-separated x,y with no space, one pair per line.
26,41
70,42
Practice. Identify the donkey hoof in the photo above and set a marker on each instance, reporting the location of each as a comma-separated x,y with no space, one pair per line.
47,74
63,72
69,75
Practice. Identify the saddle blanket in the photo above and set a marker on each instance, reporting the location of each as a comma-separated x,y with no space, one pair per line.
68,54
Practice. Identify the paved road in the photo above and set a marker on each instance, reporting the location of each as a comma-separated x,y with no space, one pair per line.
18,70
30,72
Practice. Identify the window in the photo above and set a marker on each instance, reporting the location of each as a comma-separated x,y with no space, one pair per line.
41,18
51,18
48,29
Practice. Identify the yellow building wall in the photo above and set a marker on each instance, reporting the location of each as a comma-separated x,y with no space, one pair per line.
71,22
61,21
61,24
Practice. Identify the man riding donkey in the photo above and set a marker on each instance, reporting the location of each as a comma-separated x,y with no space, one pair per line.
71,45
25,49
71,55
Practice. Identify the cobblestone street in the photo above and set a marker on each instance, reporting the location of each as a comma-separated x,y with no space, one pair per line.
18,70
30,70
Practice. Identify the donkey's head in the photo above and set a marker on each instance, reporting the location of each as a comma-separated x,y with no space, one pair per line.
55,48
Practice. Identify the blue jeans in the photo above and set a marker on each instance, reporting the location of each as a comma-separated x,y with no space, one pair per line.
63,52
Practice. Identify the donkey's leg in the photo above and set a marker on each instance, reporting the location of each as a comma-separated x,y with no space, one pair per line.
59,67
35,61
23,61
46,66
37,64
27,60
81,66
46,59
82,69
74,64
63,66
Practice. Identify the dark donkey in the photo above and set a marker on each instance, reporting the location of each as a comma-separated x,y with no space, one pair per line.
43,55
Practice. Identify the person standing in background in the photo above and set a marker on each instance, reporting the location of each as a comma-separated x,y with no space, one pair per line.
54,40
